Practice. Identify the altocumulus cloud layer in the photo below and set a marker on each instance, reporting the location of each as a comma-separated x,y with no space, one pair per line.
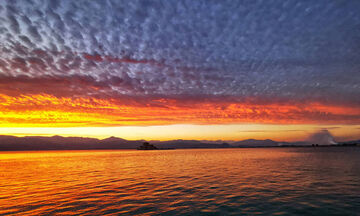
267,61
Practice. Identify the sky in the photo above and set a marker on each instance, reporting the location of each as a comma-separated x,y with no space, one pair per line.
180,69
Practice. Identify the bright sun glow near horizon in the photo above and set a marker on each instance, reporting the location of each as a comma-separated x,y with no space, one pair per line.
199,132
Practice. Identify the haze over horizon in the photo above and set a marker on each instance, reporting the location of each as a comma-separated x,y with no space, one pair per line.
163,70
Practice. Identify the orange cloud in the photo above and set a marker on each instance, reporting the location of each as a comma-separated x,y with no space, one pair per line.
47,110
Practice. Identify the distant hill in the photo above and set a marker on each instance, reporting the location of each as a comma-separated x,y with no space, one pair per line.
256,143
8,143
13,143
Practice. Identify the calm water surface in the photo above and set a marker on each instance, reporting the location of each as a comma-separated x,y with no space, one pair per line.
278,181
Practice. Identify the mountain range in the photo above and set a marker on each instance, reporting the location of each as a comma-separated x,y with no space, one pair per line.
13,143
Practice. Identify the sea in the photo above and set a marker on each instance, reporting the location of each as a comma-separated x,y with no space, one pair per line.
236,181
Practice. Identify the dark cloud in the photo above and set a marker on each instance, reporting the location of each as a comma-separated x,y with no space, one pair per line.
33,32
26,40
14,25
270,51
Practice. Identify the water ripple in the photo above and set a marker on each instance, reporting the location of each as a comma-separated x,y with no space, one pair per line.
182,182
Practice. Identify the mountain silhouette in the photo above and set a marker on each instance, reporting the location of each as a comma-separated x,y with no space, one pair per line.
13,143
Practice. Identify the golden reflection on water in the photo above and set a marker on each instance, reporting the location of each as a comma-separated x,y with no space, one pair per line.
222,181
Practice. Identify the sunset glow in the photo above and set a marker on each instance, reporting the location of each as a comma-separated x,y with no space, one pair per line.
51,111
65,66
48,115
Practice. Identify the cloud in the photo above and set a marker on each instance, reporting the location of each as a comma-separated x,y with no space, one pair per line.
67,85
96,109
14,25
99,58
33,32
267,55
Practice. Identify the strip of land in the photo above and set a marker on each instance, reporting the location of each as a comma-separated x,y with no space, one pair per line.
13,143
